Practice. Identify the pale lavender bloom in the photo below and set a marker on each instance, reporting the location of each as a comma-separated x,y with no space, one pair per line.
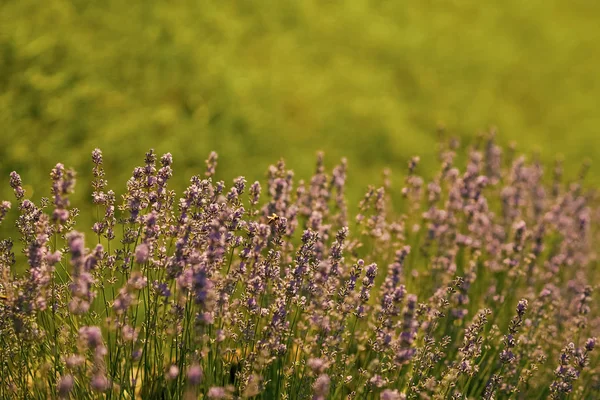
4,207
97,156
409,328
172,372
377,380
195,375
99,383
338,182
321,387
142,253
53,258
211,164
130,333
317,365
389,394
123,301
16,184
365,292
65,385
202,289
63,182
92,336
93,259
217,393
74,361
81,287
137,281
76,245
99,183
565,373
162,177
254,191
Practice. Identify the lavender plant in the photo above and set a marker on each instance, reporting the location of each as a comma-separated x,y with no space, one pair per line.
480,286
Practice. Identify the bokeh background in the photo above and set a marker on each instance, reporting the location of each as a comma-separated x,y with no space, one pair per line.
371,80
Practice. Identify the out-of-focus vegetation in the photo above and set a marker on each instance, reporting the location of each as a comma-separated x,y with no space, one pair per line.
370,80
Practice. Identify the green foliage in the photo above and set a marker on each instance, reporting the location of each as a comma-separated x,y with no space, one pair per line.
370,80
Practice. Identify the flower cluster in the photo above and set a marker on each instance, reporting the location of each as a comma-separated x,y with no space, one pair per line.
476,282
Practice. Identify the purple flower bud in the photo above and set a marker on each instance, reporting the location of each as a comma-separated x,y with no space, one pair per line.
76,244
166,160
195,375
74,361
590,344
217,393
4,207
99,383
137,281
522,307
506,356
254,193
97,156
92,335
15,183
317,365
172,372
211,164
142,253
54,258
321,387
65,385
60,214
377,381
162,289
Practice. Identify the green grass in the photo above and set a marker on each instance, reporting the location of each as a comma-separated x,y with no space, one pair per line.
255,81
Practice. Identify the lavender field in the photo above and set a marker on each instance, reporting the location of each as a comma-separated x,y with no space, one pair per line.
480,287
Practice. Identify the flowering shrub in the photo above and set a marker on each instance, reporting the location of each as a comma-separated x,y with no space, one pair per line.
482,288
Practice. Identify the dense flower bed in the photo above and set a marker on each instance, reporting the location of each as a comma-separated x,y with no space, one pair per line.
479,286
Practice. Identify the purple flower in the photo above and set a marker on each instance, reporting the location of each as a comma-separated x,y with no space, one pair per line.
65,385
172,372
142,253
195,375
54,258
211,164
162,289
590,344
254,193
15,183
389,394
99,383
4,207
217,393
317,365
74,361
321,387
91,335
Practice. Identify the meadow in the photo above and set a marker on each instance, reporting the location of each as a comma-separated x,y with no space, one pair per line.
482,289
274,270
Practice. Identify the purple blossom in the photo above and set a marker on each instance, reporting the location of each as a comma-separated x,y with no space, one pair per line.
4,207
195,375
65,385
16,185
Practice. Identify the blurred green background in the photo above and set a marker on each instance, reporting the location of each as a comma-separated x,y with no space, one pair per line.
260,80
